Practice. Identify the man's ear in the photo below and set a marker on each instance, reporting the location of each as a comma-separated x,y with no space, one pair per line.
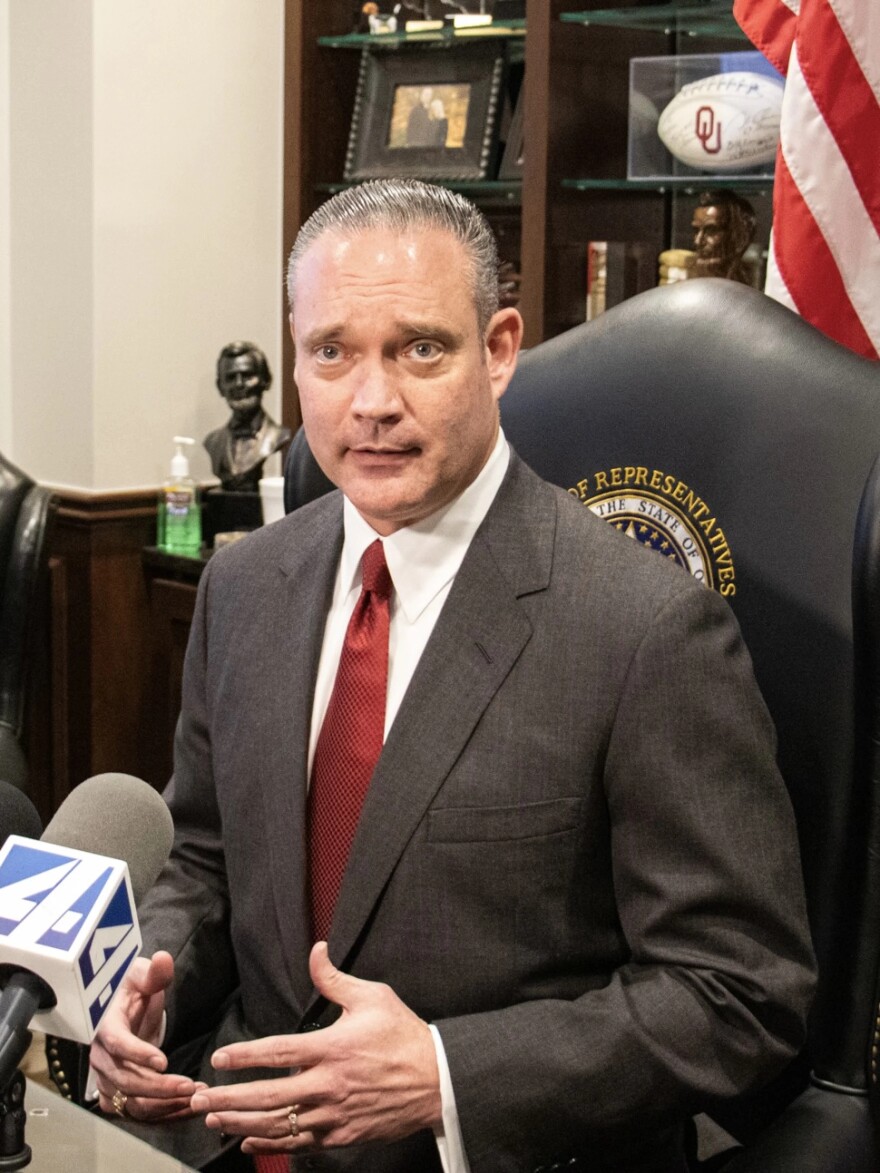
503,339
293,339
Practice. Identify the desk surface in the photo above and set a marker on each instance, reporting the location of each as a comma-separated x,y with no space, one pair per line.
65,1137
160,564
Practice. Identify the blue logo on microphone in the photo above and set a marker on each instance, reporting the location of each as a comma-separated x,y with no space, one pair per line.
114,926
63,932
69,916
28,876
100,1004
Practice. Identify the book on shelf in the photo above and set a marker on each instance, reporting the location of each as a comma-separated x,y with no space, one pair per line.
616,270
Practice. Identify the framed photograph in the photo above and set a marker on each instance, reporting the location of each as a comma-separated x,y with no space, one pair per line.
512,159
427,113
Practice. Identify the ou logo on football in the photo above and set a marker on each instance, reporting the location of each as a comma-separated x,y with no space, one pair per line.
705,125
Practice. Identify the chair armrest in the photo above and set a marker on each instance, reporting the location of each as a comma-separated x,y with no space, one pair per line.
13,765
822,1131
68,1065
25,574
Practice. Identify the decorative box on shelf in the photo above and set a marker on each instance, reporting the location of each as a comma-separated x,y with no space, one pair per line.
707,114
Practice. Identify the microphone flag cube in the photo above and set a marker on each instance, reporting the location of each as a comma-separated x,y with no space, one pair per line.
68,916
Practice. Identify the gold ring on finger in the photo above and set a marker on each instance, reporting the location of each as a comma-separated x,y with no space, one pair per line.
291,1116
120,1099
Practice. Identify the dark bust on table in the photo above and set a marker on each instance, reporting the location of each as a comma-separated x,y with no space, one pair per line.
240,448
724,227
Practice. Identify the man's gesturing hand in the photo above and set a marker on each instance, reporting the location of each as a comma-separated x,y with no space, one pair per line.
371,1076
125,1056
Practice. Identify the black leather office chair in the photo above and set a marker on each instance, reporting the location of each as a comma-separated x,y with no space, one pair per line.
26,512
715,426
721,430
304,480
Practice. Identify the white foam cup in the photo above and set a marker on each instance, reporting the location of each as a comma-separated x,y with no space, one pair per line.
272,498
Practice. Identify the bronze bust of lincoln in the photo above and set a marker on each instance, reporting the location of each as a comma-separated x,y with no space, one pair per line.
239,449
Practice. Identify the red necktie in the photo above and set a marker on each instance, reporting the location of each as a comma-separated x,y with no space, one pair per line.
272,1163
350,740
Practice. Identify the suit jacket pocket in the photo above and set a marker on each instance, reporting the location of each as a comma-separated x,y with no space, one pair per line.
480,824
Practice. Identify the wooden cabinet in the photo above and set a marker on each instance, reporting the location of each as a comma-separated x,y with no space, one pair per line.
172,582
573,190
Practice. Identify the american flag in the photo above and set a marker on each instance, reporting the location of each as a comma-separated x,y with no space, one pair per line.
825,249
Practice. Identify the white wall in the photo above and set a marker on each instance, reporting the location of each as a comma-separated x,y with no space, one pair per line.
5,278
50,141
146,225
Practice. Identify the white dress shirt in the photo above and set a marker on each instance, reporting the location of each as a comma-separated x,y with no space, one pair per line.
423,560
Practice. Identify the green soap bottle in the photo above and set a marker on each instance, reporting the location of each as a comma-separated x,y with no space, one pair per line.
179,522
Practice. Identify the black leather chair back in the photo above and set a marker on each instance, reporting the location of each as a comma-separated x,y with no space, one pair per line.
711,423
26,512
715,426
304,481
14,487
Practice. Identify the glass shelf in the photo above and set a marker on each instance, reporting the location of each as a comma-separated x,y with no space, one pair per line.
689,184
506,29
713,18
507,192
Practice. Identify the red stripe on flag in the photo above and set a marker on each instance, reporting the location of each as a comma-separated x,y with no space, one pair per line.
809,269
770,25
843,95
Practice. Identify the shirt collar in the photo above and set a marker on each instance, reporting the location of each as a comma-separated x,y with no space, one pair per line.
425,557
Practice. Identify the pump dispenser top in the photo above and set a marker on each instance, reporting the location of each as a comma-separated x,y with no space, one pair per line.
179,462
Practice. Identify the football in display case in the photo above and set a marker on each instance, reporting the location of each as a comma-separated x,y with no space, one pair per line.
703,115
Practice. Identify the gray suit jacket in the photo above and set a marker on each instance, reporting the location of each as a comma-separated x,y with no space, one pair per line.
576,855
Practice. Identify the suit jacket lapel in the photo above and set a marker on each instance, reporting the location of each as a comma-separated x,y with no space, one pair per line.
308,568
480,634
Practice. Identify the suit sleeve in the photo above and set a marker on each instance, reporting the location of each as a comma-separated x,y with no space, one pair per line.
713,997
187,911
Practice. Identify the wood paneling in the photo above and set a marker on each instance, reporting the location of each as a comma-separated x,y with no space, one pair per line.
171,609
88,706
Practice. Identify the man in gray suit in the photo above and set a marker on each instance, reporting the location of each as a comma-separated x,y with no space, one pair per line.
572,912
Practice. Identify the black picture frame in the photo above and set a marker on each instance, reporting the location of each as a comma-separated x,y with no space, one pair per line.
390,85
512,160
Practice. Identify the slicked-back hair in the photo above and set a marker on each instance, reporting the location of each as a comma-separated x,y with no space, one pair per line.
401,205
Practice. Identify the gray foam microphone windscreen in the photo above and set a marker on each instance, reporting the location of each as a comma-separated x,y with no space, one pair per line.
18,815
119,816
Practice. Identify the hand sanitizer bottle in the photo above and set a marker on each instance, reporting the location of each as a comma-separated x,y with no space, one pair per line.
179,529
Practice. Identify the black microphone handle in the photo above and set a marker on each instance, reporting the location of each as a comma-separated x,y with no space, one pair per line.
24,995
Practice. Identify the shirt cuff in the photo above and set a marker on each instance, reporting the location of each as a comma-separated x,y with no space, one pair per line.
450,1143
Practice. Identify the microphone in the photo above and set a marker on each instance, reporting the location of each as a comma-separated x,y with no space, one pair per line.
18,815
120,816
68,928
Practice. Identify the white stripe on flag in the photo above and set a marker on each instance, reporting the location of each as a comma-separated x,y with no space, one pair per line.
825,182
774,286
860,24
